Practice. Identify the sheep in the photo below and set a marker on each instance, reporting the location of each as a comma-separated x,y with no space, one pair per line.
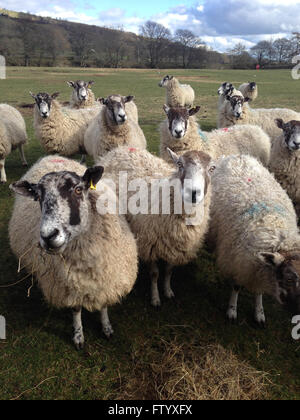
285,159
80,257
113,127
226,89
236,110
181,133
177,94
12,135
255,234
60,130
163,229
82,96
249,90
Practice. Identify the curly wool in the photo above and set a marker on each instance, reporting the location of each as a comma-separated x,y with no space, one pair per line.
158,236
250,213
264,118
63,131
101,136
89,103
178,94
12,130
285,165
85,275
246,139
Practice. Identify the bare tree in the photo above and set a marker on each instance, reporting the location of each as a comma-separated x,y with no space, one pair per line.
263,51
283,49
188,40
156,38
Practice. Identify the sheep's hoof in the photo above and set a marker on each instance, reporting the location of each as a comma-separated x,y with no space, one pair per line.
156,303
108,332
78,340
169,294
261,324
232,316
2,182
25,165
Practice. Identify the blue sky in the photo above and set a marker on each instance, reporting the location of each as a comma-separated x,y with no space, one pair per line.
220,23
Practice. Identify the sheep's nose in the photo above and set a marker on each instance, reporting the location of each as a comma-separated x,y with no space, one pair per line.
194,196
297,145
49,238
44,114
122,117
179,133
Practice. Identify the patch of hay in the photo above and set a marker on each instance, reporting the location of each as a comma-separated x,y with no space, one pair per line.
187,372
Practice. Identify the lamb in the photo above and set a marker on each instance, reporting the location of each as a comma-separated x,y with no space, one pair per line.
236,110
12,135
249,91
226,89
82,96
181,133
163,228
60,130
177,94
80,257
255,234
113,127
285,160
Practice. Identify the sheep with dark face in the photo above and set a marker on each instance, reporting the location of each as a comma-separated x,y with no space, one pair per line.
60,130
249,91
285,159
236,111
177,94
80,257
255,234
172,226
181,133
82,96
113,127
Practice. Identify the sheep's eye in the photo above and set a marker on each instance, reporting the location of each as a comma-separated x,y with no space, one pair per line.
78,190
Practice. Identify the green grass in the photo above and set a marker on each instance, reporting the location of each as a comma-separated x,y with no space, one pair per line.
38,356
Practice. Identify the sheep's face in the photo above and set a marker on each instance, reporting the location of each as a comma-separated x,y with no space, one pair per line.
226,89
236,105
179,119
286,266
44,102
65,206
194,170
252,86
291,131
81,89
115,105
164,82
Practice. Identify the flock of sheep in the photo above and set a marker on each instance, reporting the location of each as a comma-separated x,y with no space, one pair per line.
243,189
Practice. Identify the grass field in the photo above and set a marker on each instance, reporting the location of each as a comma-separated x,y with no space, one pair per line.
38,360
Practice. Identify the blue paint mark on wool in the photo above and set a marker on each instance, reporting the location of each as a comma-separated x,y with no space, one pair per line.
259,208
202,135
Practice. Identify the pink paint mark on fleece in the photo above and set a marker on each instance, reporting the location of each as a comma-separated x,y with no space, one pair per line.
132,150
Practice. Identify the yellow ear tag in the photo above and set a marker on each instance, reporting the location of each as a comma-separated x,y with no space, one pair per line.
92,187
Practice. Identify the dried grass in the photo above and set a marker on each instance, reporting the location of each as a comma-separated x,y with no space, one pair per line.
187,372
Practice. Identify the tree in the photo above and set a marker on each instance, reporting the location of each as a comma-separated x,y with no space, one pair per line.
187,40
156,38
283,49
263,51
240,58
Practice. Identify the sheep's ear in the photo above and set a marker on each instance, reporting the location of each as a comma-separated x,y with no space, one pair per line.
92,176
271,259
175,158
71,84
128,99
90,84
171,77
228,97
102,101
280,123
211,167
26,189
166,109
33,95
194,111
55,95
247,99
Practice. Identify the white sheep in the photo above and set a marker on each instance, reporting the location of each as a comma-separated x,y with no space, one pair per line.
226,89
113,127
12,135
249,90
82,96
82,258
60,130
181,133
177,94
254,230
285,159
171,226
236,110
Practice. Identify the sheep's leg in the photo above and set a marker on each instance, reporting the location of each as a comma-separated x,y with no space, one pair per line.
154,273
259,310
2,172
83,159
168,290
106,325
78,329
22,154
233,304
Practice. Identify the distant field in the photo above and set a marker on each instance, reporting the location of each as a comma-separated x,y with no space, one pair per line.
38,356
